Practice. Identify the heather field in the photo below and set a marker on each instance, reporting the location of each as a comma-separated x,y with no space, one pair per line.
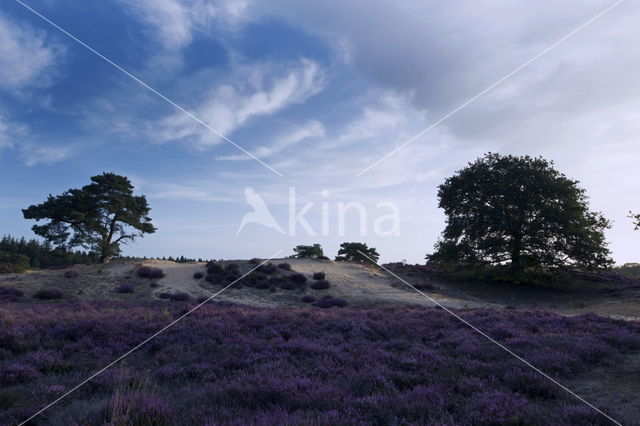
227,364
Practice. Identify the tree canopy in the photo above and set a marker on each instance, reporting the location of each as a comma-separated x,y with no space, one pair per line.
636,219
308,251
98,217
357,252
519,211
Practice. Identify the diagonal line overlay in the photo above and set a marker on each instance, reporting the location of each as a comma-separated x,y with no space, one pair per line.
121,357
503,347
145,85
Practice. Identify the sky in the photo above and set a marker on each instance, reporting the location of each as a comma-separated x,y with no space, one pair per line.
318,92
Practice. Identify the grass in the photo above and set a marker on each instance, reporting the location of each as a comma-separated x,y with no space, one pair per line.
239,365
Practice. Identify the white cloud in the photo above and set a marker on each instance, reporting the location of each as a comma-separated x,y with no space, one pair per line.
33,154
255,92
10,132
26,57
176,21
311,129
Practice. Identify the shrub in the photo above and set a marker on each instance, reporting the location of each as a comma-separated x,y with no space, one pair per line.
254,261
285,266
154,285
263,285
10,294
267,268
164,295
308,299
298,278
179,297
150,272
303,251
318,275
320,285
71,274
214,268
232,267
198,275
13,262
125,288
289,285
48,294
357,252
330,302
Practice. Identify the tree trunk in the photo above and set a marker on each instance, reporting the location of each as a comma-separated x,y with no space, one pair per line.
516,254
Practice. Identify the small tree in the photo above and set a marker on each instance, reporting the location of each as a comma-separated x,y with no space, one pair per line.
357,252
521,211
99,216
308,251
636,220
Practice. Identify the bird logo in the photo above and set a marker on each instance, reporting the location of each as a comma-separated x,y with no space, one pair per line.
260,214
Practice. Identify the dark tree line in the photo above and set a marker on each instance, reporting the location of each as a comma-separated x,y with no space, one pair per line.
43,254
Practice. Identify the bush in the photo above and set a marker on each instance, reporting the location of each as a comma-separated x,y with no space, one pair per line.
71,274
10,294
303,251
318,275
125,288
289,285
232,267
150,272
214,268
154,285
320,285
263,285
357,252
308,299
48,294
179,297
255,261
13,262
164,295
298,278
267,268
285,266
330,302
198,275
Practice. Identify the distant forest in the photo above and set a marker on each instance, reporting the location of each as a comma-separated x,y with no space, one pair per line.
35,254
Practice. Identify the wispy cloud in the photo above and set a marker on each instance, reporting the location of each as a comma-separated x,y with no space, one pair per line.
257,91
27,58
33,154
176,21
311,129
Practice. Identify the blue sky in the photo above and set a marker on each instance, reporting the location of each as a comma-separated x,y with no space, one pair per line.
319,91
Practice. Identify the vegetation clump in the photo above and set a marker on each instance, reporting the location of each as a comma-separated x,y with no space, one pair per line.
298,278
10,294
318,275
198,275
13,262
331,302
100,216
125,288
357,252
312,251
320,285
285,266
150,272
521,212
48,294
71,274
